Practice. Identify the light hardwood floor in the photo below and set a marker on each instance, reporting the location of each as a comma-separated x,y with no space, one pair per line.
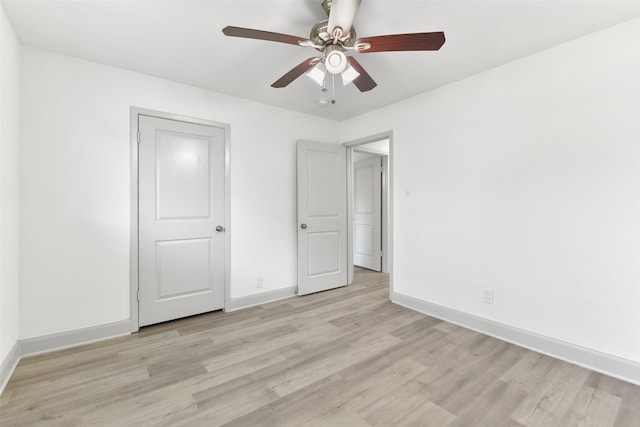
346,357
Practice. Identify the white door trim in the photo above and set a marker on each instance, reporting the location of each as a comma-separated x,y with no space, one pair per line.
135,112
389,230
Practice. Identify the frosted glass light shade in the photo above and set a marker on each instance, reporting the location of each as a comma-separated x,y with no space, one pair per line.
349,74
335,62
317,73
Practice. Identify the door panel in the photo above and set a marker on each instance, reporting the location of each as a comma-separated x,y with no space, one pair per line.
367,241
181,201
322,217
364,240
324,253
183,176
324,173
183,267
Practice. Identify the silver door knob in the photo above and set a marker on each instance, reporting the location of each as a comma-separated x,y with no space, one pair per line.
219,228
303,226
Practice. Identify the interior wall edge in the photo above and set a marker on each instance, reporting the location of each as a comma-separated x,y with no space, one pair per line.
613,366
9,365
10,80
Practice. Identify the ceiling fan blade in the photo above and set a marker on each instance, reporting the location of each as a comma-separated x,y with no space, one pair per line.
363,82
263,35
399,42
342,14
295,72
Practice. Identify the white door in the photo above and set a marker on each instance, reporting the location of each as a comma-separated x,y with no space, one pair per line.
322,217
367,213
181,218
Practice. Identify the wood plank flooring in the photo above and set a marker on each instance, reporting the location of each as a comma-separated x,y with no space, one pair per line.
346,357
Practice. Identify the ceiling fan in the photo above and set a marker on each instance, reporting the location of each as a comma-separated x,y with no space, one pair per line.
334,38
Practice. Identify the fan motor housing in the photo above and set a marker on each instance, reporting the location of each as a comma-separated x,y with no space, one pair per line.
321,37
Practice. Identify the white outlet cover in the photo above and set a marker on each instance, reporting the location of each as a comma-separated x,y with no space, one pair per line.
487,296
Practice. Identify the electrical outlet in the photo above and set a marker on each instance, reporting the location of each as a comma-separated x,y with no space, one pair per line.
259,283
487,296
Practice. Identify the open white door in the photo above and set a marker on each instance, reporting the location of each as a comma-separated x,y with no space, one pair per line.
322,216
181,219
367,213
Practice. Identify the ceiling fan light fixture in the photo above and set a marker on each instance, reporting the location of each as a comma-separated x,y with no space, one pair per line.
335,61
348,75
335,36
317,73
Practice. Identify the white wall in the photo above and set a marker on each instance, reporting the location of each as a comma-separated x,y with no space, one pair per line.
526,179
75,187
9,207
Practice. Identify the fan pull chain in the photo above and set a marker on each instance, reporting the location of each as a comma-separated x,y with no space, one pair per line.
324,101
333,88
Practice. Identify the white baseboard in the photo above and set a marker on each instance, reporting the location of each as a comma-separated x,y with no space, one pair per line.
9,365
59,341
626,370
261,298
62,340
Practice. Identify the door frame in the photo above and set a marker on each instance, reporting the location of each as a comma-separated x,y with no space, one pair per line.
135,112
386,225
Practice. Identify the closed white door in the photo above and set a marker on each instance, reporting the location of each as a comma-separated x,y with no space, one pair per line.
181,219
322,217
367,210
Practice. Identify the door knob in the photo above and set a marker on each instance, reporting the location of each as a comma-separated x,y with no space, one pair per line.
219,228
303,226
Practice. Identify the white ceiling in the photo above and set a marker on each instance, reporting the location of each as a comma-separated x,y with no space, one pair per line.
183,41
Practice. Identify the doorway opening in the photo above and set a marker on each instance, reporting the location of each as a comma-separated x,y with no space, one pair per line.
369,205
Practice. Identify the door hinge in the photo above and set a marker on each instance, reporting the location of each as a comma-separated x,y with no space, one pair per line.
138,137
138,294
